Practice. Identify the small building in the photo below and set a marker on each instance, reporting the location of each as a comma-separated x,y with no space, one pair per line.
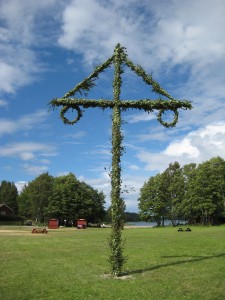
81,224
5,210
53,224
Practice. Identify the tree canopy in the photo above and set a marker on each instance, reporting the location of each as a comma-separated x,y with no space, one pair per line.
63,197
8,195
194,193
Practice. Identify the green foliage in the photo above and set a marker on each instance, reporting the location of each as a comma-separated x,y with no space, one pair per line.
193,193
119,60
174,190
153,203
131,217
9,195
72,199
25,203
116,256
64,197
35,196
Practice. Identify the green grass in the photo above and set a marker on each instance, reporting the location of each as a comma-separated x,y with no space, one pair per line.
72,264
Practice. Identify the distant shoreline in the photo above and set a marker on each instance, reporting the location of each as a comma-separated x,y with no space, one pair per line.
138,226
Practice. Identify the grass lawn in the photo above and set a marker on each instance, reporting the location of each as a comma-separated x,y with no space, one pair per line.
72,264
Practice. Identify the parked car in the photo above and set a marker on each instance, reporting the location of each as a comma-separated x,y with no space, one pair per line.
28,223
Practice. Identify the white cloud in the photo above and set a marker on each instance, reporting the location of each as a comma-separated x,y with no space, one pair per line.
101,150
3,103
133,167
20,31
139,117
26,151
177,31
76,135
186,27
25,122
197,146
27,155
35,170
101,183
21,19
152,134
20,185
130,183
180,148
7,126
44,161
62,173
14,74
165,37
84,32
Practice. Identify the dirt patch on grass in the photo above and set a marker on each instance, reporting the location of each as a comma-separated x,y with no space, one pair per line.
123,277
8,232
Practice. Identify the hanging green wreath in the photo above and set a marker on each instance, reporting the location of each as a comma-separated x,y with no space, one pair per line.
168,124
65,109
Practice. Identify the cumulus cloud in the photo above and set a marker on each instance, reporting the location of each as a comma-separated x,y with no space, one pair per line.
20,185
177,32
197,146
181,42
19,32
83,29
180,148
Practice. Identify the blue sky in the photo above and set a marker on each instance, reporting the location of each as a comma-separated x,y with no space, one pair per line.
48,46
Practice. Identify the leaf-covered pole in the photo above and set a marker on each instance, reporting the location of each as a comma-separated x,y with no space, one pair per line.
164,103
117,206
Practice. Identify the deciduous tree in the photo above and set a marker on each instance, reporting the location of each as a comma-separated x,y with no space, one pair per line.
8,195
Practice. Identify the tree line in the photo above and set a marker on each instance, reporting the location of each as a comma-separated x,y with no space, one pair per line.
64,197
193,193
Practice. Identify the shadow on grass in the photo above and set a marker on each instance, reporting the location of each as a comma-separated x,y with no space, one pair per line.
190,260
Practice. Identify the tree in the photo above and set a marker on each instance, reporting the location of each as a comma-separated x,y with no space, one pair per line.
153,201
71,199
131,217
188,207
210,180
174,189
63,199
25,203
8,195
91,203
39,191
194,193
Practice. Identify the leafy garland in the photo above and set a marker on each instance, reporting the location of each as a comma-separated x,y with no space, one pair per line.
146,104
70,101
116,243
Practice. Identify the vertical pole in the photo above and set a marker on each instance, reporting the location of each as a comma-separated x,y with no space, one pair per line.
117,205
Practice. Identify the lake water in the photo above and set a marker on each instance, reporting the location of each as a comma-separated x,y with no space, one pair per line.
146,224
